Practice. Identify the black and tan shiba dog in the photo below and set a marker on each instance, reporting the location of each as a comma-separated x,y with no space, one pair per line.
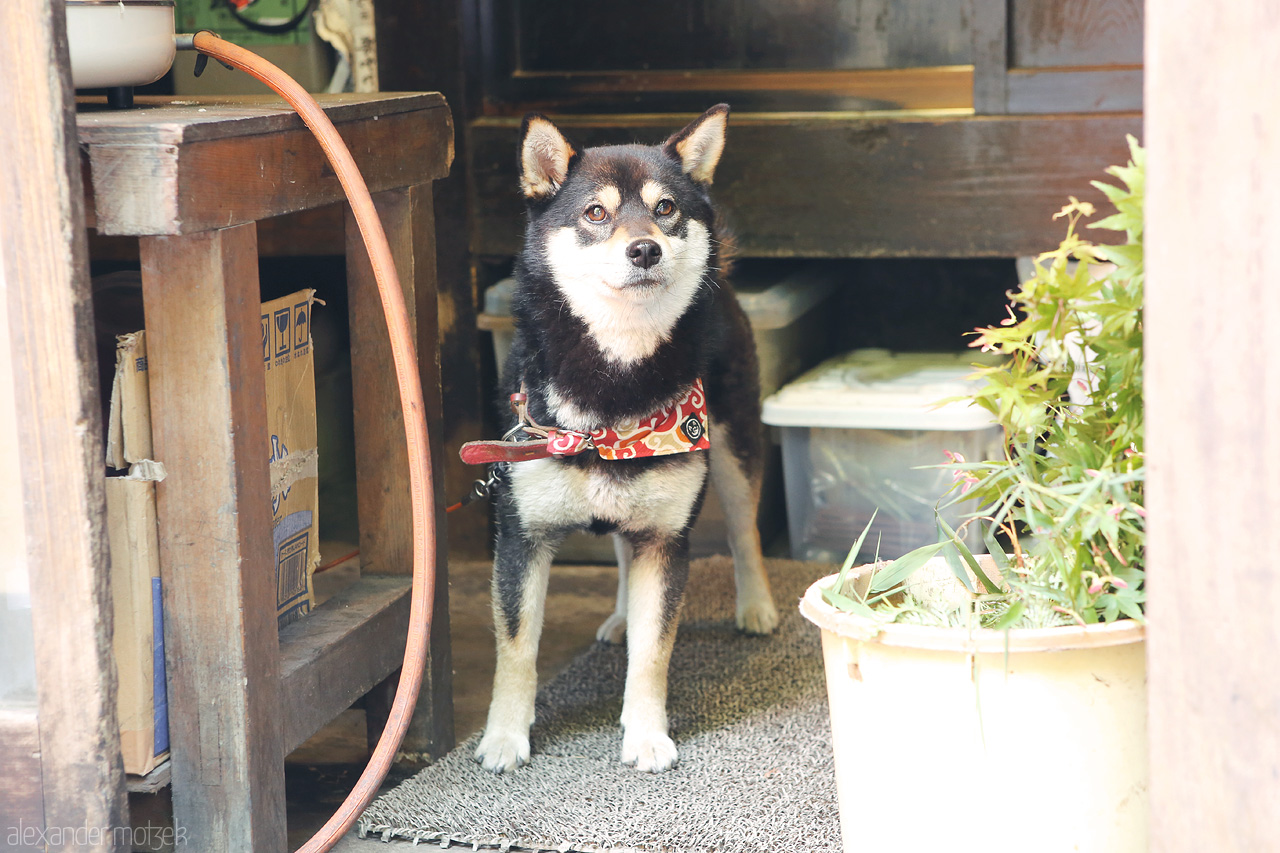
630,343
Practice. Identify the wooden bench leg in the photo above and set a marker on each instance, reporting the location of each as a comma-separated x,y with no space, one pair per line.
209,427
382,476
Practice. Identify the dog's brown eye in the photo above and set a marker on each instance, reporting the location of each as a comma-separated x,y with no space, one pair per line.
665,207
595,213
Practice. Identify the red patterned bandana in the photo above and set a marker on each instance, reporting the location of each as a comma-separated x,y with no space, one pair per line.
678,428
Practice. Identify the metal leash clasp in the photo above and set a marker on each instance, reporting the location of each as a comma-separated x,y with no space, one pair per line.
482,489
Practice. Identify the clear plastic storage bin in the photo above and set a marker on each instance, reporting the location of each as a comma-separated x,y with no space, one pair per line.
856,431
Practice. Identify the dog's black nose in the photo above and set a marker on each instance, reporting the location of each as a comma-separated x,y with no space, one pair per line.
644,253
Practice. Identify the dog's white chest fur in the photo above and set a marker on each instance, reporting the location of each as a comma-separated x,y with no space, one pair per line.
552,495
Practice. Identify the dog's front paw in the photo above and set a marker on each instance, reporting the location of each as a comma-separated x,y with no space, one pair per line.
502,752
613,629
652,752
757,617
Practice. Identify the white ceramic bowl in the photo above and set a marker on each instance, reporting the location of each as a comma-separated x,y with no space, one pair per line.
119,42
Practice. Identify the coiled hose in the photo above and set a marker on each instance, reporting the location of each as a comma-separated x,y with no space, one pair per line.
415,426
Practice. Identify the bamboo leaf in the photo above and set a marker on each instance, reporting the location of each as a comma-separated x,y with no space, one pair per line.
901,568
971,560
953,562
995,550
847,604
853,555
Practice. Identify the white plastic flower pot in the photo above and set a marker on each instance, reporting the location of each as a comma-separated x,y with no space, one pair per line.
958,740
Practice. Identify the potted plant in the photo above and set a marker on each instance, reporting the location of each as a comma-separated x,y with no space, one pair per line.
999,703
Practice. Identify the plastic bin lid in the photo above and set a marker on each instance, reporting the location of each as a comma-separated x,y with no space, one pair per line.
497,298
769,305
778,304
878,389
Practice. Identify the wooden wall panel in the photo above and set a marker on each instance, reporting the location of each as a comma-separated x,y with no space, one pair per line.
1213,404
735,34
834,185
1048,33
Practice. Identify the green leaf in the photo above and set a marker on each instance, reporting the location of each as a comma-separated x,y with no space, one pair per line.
1129,608
847,604
953,562
1011,616
901,568
971,560
995,549
853,555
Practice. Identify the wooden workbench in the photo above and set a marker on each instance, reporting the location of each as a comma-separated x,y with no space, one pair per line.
191,179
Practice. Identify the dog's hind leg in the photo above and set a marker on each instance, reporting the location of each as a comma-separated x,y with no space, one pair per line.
615,627
655,586
520,572
739,491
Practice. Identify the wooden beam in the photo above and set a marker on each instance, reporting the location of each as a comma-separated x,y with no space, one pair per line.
339,652
853,185
209,428
52,366
191,173
923,88
1213,404
382,475
1075,90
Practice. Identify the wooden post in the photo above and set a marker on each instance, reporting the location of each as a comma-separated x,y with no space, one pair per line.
431,46
204,349
1213,403
45,285
382,474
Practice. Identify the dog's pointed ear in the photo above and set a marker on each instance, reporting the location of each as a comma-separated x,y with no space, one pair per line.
698,147
544,157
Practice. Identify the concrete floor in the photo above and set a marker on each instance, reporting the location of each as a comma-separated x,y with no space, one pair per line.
321,772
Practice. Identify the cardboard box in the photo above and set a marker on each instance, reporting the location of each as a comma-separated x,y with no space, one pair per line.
290,446
129,424
138,639
291,425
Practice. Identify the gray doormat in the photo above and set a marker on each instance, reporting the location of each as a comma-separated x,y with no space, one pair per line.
748,714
